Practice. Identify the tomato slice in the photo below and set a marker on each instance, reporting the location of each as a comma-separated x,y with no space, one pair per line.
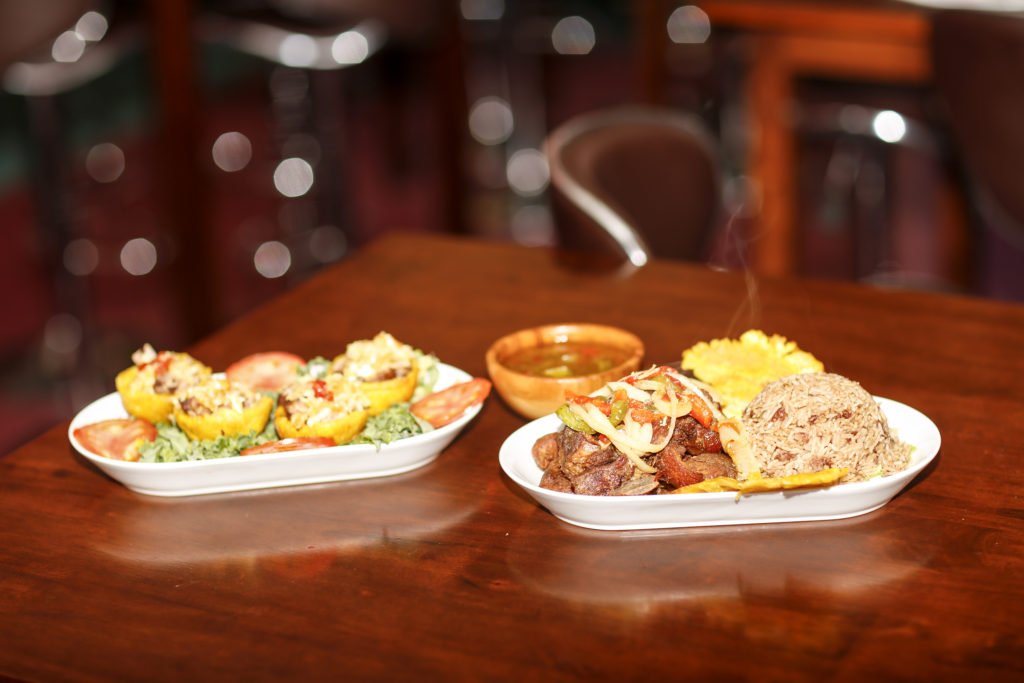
447,405
298,443
265,371
118,439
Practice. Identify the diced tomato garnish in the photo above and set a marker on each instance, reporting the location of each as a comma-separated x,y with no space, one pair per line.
160,364
320,390
266,371
117,439
700,411
640,413
602,404
449,404
299,443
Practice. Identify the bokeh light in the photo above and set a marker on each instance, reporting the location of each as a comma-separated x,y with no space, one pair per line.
889,126
298,50
527,172
91,26
105,162
67,48
350,47
232,151
491,121
688,25
81,257
293,177
62,334
138,256
573,36
272,259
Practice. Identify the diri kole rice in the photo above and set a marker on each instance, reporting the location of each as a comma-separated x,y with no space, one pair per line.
809,422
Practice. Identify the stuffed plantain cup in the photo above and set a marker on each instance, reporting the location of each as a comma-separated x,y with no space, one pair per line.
331,407
218,407
147,388
384,369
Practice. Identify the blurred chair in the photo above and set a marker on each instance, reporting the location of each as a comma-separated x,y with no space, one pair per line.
639,182
45,54
978,59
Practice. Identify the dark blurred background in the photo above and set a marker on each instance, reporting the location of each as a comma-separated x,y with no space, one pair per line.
167,165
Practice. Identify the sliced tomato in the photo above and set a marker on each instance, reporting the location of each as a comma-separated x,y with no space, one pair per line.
447,405
265,371
118,439
700,410
298,443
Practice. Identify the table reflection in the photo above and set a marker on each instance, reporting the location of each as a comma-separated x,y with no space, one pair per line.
297,528
641,570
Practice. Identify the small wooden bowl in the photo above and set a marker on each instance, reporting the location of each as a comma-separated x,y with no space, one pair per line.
533,396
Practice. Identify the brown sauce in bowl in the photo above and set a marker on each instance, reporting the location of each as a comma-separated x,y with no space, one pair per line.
566,359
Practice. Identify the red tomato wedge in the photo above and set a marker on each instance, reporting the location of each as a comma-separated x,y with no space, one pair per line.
116,439
266,371
448,404
299,443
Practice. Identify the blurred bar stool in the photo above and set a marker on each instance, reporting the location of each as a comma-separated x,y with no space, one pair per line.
312,43
978,59
638,182
46,54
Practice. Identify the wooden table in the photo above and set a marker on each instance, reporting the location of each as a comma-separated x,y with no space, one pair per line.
452,573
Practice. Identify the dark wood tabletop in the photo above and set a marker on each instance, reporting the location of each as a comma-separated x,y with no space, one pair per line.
451,572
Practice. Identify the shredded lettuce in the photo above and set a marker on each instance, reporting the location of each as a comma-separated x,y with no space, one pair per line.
394,423
317,368
173,445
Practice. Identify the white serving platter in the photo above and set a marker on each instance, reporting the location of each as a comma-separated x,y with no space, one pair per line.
360,461
716,509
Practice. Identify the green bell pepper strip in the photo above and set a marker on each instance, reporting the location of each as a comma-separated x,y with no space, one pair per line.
572,421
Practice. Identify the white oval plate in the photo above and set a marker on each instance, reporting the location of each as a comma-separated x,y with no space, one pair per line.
360,461
716,509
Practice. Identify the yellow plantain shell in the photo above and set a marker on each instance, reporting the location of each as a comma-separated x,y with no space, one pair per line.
341,430
226,421
383,395
145,404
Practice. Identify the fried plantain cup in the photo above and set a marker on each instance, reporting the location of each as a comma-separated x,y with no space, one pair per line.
227,419
366,361
139,397
342,430
383,395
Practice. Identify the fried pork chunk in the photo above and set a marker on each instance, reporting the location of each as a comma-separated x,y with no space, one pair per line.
574,462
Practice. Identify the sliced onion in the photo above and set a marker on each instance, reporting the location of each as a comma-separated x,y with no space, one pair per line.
679,407
698,391
632,449
634,439
631,391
